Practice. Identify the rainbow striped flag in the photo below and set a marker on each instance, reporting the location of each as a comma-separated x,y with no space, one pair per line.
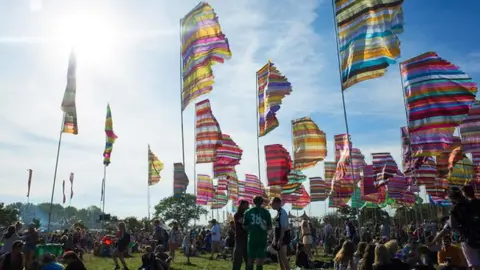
367,37
155,166
110,137
203,45
208,136
309,143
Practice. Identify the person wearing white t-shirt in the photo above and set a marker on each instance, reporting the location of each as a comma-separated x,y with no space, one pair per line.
216,238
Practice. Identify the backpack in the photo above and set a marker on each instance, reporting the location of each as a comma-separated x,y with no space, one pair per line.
468,216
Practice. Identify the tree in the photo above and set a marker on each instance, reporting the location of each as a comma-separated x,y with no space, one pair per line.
37,223
182,209
133,224
7,216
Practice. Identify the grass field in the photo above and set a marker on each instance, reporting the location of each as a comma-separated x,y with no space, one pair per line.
97,263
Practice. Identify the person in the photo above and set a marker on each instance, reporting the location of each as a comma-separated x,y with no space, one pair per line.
302,259
31,241
313,231
73,261
174,239
282,233
159,234
15,259
449,256
344,258
382,258
241,236
150,260
49,262
327,237
368,258
216,238
257,221
8,239
385,230
306,237
358,255
350,230
123,242
465,218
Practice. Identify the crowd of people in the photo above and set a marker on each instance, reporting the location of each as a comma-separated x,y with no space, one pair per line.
253,238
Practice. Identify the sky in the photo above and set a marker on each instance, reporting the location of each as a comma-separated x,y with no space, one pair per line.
128,56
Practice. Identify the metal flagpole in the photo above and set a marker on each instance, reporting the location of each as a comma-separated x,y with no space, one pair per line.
148,197
104,186
195,161
258,127
148,182
181,99
55,174
342,90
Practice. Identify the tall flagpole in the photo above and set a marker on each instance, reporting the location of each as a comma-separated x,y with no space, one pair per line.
181,99
104,186
342,90
55,174
148,182
195,160
258,127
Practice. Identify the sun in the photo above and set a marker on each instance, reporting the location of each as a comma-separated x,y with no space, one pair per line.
93,36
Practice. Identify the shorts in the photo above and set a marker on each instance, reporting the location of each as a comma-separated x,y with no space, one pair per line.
257,249
471,255
216,247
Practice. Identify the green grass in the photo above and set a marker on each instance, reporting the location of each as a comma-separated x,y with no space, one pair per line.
98,263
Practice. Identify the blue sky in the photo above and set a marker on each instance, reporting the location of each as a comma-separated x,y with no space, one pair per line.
128,55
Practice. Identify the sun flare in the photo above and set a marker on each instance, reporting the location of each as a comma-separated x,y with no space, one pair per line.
93,37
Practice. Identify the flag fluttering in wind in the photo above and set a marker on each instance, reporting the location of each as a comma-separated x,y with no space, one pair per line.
63,188
272,88
329,167
155,166
110,137
29,183
219,200
69,106
253,187
470,129
208,135
229,153
71,185
384,167
439,96
367,37
205,190
317,189
279,164
203,45
309,143
180,180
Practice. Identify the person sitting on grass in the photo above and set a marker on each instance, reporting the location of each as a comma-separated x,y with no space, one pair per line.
150,261
73,261
49,262
302,259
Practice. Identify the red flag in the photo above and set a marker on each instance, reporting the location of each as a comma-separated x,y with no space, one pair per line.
64,198
29,181
71,185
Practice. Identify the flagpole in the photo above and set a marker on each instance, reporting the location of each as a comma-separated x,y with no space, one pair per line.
148,198
104,186
181,99
258,127
55,174
342,90
148,181
195,161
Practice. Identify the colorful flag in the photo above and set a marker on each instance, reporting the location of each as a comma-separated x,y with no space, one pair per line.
71,185
63,188
329,167
253,188
110,137
309,143
367,37
208,135
439,96
470,129
219,200
205,190
30,172
69,107
155,166
384,167
203,45
180,180
272,88
229,153
317,189
279,164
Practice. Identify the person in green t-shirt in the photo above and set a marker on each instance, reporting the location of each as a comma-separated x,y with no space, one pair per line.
257,221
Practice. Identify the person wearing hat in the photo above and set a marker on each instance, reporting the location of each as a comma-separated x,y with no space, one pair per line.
14,260
216,238
257,221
